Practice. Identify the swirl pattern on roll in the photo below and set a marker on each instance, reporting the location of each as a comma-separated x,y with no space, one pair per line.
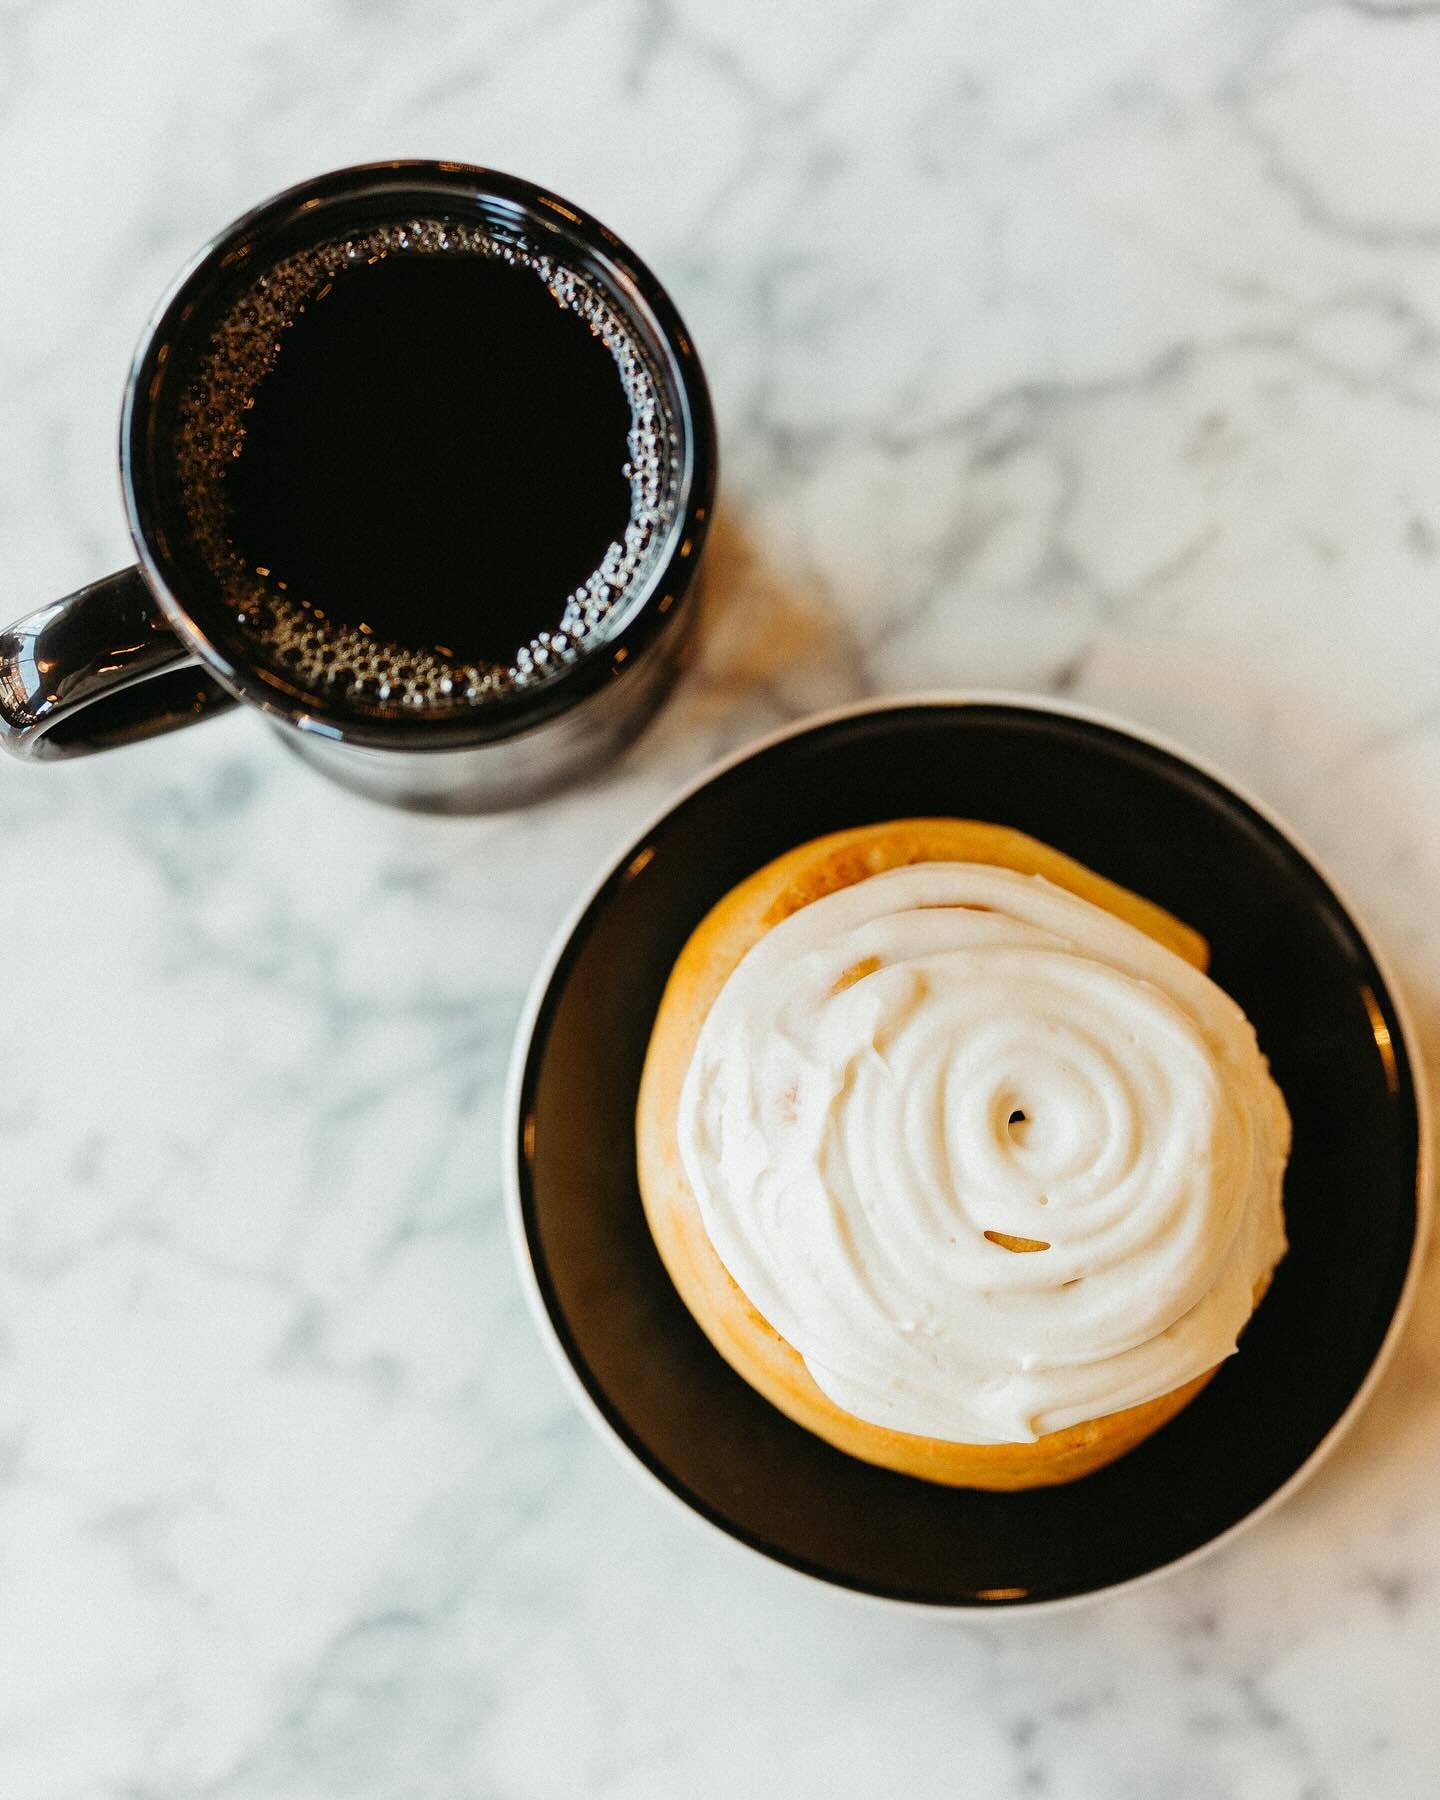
990,1158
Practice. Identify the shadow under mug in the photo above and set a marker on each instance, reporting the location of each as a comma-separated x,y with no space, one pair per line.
155,647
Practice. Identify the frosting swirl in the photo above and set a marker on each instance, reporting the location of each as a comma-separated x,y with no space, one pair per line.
990,1158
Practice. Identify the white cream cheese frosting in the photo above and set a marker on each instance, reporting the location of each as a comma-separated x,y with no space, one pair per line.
947,1054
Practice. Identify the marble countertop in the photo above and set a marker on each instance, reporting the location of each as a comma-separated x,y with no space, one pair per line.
1087,350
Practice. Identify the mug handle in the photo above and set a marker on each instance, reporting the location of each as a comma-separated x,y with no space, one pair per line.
100,668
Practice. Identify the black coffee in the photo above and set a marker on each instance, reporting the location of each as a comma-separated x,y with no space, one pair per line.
425,465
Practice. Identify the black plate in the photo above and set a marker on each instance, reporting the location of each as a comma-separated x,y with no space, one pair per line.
1281,944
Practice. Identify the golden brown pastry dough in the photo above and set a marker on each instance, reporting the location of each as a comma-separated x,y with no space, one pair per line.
746,1341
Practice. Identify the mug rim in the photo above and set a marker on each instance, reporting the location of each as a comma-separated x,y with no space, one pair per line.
662,600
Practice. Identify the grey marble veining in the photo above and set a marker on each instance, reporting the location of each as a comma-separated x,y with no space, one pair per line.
1084,350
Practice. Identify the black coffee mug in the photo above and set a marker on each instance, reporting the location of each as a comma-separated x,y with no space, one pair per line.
150,648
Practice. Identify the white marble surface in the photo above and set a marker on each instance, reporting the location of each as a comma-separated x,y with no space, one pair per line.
1085,349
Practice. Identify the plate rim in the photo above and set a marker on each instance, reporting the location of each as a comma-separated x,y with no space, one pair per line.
513,1130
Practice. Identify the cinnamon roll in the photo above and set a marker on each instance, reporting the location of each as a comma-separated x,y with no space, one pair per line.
957,1155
